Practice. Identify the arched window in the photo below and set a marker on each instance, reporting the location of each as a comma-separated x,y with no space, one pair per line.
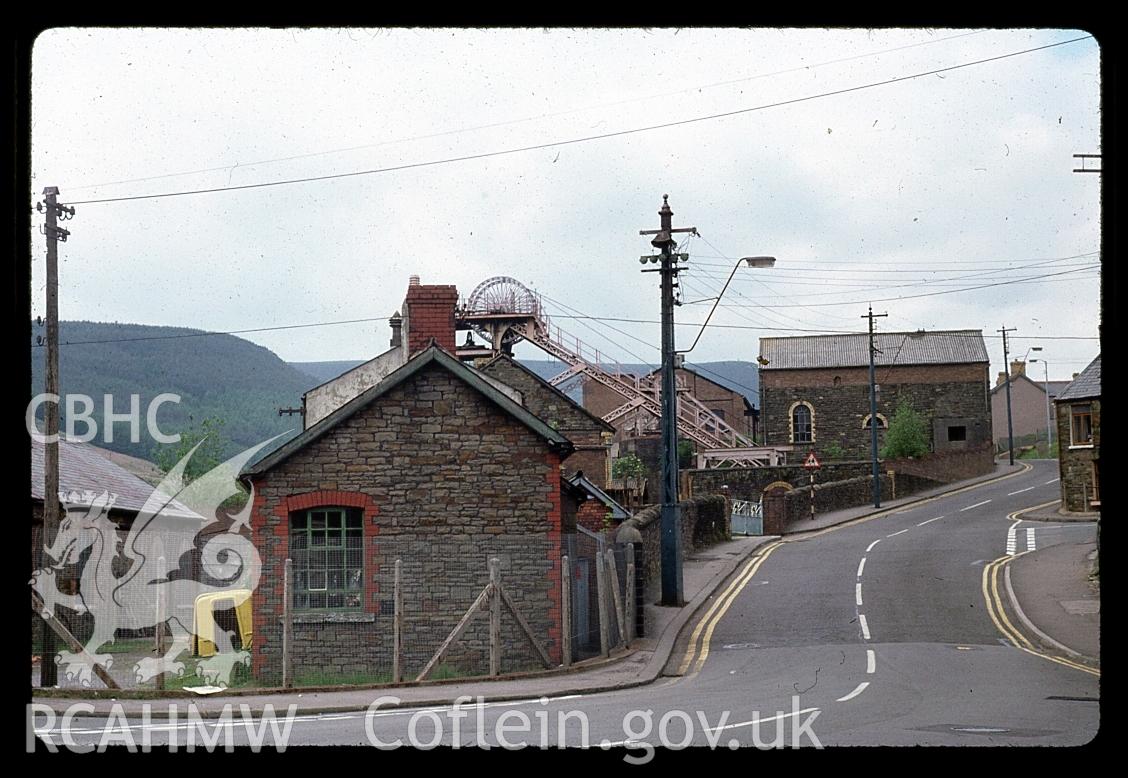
882,422
802,423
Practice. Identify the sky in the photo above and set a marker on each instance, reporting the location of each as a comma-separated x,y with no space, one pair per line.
876,165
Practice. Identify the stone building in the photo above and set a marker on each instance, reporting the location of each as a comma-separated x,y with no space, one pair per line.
589,434
1079,435
1029,407
437,465
815,390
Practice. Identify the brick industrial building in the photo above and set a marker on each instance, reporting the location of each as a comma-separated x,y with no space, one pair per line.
815,390
1079,434
727,404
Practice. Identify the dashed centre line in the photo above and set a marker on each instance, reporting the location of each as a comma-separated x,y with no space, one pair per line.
865,626
968,508
1052,481
861,567
895,534
1020,491
871,661
929,521
871,545
858,593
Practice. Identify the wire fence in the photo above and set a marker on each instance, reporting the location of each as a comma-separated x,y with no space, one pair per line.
172,610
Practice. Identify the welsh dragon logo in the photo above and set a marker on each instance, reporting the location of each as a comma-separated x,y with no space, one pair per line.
118,581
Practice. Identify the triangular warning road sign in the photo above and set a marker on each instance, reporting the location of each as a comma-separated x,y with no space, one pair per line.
812,462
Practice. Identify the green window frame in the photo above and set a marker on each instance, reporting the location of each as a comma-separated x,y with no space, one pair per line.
327,553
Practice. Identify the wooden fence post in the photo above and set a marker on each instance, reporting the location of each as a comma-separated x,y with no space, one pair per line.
616,596
566,611
397,625
495,616
630,606
288,625
158,631
601,596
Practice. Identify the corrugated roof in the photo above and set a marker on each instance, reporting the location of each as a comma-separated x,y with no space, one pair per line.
1085,386
85,471
944,347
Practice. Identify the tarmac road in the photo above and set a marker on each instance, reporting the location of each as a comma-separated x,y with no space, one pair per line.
877,632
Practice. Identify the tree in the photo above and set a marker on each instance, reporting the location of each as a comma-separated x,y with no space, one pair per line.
631,469
685,453
907,435
209,455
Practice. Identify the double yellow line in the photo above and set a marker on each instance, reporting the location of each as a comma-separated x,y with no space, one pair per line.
999,615
703,632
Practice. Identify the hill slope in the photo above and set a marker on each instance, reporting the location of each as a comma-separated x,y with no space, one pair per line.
215,375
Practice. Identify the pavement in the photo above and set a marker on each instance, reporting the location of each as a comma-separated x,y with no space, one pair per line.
642,663
1057,598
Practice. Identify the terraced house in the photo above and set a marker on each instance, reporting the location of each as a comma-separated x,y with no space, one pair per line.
815,391
1079,440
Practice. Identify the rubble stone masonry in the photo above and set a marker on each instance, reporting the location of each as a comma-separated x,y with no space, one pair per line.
445,479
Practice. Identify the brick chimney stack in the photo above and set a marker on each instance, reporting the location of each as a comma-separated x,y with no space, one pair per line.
428,312
1018,367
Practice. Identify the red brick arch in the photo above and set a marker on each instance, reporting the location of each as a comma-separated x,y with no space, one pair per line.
327,498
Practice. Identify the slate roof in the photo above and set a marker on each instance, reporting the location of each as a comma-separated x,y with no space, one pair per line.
84,469
1085,386
939,347
1056,387
433,355
585,484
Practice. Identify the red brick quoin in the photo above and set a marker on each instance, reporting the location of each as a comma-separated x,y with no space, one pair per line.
277,523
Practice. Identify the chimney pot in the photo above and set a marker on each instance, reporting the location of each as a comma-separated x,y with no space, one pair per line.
413,281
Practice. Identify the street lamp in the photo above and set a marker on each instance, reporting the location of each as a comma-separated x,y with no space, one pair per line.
751,262
1049,421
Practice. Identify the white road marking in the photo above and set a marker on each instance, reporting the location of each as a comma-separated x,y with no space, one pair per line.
858,593
865,626
1012,541
1030,545
1020,491
861,688
968,508
930,521
871,545
861,567
895,534
871,661
1054,481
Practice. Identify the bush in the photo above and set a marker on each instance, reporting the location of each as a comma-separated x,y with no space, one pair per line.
907,435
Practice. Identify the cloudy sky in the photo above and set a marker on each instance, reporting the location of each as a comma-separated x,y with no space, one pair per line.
876,165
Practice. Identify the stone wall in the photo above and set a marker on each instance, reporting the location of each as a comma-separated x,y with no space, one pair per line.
704,522
590,435
946,466
748,483
850,493
444,479
947,395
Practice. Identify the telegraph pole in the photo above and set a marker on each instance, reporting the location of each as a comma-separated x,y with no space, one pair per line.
1006,368
873,407
671,535
47,672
